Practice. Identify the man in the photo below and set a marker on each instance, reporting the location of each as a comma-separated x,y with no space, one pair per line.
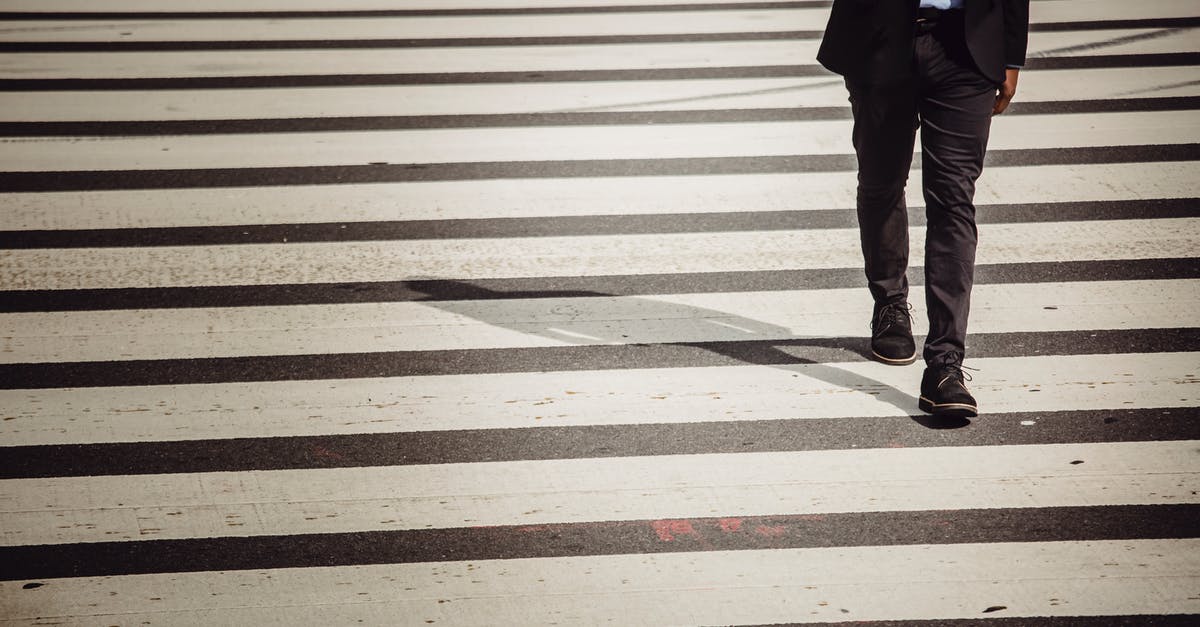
946,67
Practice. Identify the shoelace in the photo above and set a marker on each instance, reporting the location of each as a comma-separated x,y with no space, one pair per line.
889,315
953,369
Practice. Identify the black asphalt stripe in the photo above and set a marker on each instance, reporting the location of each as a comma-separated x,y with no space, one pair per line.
561,287
399,122
336,80
240,15
587,442
95,180
1137,23
1177,103
1139,620
125,128
1166,59
1089,155
562,358
1049,524
333,80
574,225
372,44
78,180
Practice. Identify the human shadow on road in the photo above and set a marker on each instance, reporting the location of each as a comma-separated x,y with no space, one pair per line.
669,330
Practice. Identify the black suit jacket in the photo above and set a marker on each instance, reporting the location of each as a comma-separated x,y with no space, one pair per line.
872,40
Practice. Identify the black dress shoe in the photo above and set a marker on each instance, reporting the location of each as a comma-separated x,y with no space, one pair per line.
944,391
891,335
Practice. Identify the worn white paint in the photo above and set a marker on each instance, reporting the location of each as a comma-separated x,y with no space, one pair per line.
487,324
588,397
448,99
1086,43
1043,10
264,264
523,198
1087,10
183,505
424,100
406,60
323,5
1117,577
671,141
230,63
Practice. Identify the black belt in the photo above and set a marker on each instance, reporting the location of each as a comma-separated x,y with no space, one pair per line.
928,14
928,17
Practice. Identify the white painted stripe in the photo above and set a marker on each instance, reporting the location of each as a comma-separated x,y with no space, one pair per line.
287,502
708,394
670,141
317,29
486,144
586,24
581,398
454,200
323,5
1104,42
228,63
1043,10
417,100
1087,10
738,93
456,325
294,263
1099,578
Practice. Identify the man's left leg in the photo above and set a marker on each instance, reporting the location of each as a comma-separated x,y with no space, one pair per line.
956,111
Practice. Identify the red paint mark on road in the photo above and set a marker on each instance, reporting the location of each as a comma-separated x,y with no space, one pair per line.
730,525
770,531
668,530
325,453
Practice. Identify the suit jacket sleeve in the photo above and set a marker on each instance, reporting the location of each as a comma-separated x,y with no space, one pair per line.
1016,31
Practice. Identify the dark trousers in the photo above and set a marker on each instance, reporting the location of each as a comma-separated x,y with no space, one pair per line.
951,103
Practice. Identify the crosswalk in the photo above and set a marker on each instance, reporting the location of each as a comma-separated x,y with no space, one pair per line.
532,312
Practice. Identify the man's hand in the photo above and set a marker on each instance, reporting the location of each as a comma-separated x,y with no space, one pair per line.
1006,91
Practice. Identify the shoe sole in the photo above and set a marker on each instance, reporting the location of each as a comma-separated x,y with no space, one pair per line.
895,362
953,410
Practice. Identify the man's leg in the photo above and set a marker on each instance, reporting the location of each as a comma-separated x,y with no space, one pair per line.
885,122
956,112
955,108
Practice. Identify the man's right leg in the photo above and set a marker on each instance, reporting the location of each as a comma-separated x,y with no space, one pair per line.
885,124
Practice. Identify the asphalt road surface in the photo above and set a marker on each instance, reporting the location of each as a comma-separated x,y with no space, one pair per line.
522,312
